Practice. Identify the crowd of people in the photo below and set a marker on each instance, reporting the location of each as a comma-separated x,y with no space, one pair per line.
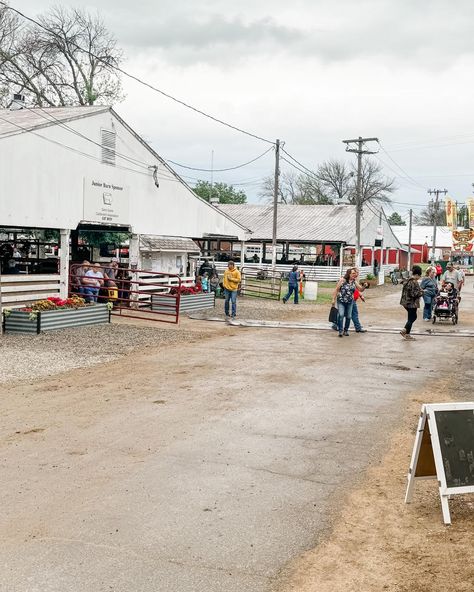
434,286
101,283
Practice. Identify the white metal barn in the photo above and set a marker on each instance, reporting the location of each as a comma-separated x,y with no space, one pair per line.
85,168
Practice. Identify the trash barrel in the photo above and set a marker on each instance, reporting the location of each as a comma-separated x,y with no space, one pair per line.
311,290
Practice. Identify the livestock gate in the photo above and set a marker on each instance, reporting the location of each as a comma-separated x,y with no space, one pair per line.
261,283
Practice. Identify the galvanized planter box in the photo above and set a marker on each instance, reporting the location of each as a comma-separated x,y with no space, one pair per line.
187,302
18,321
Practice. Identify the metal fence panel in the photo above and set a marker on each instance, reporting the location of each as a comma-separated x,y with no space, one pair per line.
261,283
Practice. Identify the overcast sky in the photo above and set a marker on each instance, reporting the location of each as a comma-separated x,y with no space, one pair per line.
310,72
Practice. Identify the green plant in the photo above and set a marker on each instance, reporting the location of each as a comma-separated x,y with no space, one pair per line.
370,276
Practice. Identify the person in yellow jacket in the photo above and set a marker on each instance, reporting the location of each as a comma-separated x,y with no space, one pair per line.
231,285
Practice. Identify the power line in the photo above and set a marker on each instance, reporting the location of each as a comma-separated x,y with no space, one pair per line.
299,163
294,166
139,80
233,168
47,115
84,154
399,167
132,160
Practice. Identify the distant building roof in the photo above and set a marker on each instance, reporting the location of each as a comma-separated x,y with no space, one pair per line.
21,120
424,234
170,244
312,223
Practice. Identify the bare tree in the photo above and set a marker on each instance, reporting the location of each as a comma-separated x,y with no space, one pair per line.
333,181
428,216
294,189
70,60
336,179
339,181
376,188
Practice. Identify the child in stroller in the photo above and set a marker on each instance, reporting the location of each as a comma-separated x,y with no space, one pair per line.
446,304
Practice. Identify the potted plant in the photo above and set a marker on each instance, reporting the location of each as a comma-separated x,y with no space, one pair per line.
54,313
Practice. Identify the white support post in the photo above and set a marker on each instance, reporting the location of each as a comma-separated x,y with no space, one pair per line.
134,257
341,260
242,254
134,248
64,251
1,307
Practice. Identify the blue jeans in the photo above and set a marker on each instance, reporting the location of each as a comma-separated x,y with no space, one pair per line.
232,296
355,317
427,309
91,294
345,310
290,291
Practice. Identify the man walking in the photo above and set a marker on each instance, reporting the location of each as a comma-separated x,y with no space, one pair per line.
293,278
231,285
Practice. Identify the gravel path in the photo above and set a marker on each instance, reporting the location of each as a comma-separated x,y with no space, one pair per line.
260,309
25,357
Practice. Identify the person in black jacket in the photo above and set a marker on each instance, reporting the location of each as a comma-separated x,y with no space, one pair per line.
410,301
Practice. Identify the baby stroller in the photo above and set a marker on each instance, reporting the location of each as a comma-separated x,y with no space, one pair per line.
446,306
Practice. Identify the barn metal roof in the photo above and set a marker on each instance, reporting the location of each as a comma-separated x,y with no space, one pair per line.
163,243
18,121
296,223
312,223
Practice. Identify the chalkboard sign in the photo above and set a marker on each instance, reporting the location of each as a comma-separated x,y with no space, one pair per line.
444,449
456,439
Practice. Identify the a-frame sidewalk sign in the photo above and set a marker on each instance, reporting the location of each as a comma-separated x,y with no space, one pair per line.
444,450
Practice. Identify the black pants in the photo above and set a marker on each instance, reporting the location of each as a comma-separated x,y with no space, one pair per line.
411,319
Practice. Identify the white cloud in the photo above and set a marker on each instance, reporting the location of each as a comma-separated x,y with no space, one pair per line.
311,72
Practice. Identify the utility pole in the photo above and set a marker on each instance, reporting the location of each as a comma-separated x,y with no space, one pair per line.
359,150
409,240
436,202
276,191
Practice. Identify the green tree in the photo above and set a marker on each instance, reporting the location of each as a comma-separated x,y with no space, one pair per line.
396,220
97,238
225,193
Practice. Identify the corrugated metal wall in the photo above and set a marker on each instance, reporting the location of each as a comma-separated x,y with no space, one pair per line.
187,303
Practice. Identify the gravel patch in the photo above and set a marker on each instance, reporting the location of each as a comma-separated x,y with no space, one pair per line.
24,357
265,310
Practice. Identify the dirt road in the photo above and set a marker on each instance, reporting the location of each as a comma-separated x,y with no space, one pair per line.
207,465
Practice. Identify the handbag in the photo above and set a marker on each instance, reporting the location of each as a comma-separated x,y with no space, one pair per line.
333,314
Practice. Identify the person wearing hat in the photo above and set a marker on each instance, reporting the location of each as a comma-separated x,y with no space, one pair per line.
451,275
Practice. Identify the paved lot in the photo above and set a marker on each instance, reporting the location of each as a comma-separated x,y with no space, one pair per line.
206,465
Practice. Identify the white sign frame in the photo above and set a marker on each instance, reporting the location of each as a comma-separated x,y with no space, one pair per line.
427,416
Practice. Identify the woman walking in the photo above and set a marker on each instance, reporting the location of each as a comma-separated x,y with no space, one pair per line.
344,295
429,286
410,301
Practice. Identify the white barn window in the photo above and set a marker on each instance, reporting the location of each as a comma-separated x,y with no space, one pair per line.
108,142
